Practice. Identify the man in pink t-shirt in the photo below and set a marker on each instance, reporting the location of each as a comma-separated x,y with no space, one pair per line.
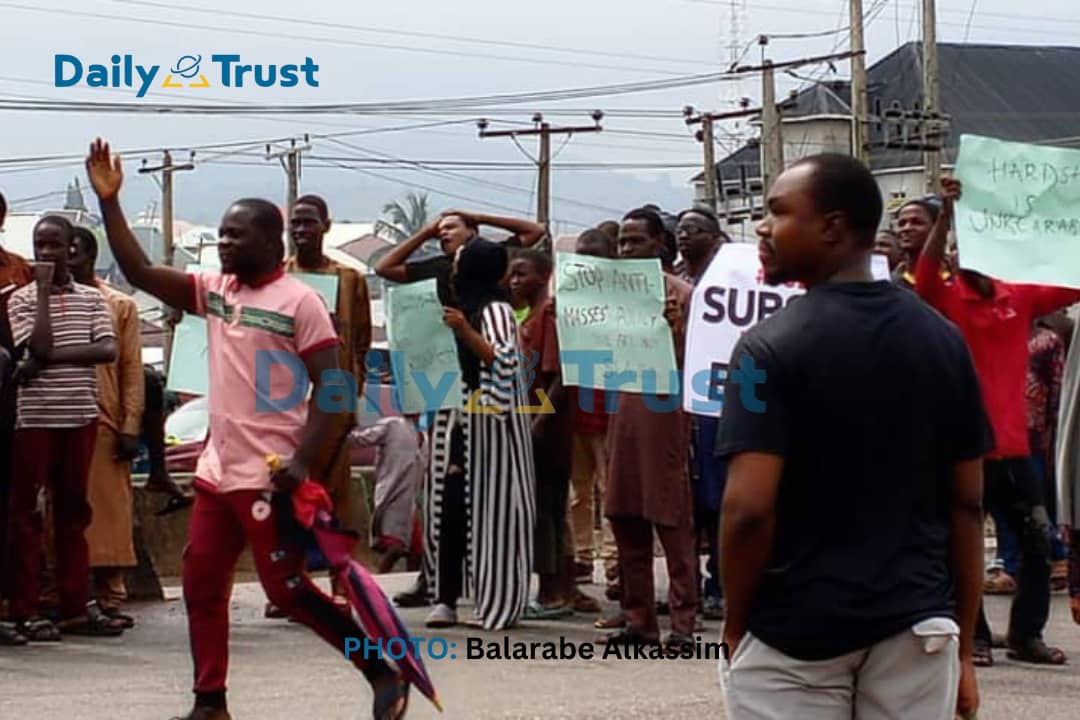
260,324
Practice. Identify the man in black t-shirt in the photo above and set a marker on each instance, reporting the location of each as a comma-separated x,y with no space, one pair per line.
852,572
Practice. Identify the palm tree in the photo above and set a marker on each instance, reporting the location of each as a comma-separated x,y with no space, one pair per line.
404,220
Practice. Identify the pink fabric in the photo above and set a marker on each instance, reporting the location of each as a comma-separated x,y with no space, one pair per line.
281,315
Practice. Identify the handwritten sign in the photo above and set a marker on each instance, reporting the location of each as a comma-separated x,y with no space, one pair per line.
731,298
423,352
1019,217
325,285
189,364
610,317
189,360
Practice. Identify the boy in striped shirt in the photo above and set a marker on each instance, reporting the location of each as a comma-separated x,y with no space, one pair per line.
66,330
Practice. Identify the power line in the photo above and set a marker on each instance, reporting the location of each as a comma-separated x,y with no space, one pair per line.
952,11
470,104
331,41
410,33
427,165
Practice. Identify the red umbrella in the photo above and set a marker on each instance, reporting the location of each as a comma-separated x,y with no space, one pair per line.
373,611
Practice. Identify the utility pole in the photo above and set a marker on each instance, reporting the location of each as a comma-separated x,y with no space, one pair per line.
543,185
706,136
167,168
709,147
859,107
772,139
931,92
544,130
290,161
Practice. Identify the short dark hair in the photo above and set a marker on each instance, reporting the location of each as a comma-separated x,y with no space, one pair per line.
931,204
650,217
59,221
3,207
316,202
265,215
596,235
537,258
610,227
86,236
707,213
466,219
843,184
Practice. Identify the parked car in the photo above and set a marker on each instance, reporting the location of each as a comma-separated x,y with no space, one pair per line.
187,429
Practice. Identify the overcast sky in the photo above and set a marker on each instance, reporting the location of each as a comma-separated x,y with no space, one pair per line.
616,42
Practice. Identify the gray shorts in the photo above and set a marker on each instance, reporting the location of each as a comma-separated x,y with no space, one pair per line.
914,674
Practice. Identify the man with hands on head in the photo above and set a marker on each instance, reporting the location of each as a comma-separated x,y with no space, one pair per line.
251,307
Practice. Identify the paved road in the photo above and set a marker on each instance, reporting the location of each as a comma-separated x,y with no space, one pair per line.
281,671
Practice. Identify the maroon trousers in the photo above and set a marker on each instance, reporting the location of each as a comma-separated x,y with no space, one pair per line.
56,461
220,526
634,538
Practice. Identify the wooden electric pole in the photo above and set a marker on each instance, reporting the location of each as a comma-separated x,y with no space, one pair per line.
772,139
290,161
706,136
544,130
167,168
931,92
859,104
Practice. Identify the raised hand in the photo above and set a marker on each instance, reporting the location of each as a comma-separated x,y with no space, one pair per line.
43,273
104,170
951,189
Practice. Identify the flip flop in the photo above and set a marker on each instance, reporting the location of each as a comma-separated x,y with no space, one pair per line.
1036,652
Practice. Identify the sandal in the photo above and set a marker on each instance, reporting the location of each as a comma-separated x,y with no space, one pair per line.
1036,652
91,625
124,620
982,656
10,636
582,603
612,622
38,630
387,701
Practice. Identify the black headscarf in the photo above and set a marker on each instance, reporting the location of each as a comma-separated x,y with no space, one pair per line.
481,266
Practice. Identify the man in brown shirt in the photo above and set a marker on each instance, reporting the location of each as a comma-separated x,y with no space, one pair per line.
648,483
308,226
120,392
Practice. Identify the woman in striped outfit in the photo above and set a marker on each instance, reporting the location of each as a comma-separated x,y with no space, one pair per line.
482,484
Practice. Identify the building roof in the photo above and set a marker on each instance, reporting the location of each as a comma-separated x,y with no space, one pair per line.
1013,92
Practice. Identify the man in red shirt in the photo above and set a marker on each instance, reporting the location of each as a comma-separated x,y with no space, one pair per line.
995,319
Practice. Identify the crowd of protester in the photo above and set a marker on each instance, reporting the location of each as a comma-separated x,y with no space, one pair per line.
590,491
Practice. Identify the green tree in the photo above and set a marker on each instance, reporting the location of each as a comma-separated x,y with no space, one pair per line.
404,219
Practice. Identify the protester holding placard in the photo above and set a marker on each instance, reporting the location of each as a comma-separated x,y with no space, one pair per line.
589,463
453,229
996,318
648,486
913,224
699,237
486,481
552,430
